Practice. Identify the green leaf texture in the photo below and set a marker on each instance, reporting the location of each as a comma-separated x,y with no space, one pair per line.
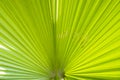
59,39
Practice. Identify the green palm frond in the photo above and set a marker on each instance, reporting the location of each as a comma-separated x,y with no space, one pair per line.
59,39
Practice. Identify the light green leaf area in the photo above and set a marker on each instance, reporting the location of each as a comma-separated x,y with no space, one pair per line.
59,39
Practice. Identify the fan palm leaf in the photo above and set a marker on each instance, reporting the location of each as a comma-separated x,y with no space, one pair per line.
59,39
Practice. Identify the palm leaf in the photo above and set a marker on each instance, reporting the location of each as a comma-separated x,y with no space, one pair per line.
59,39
